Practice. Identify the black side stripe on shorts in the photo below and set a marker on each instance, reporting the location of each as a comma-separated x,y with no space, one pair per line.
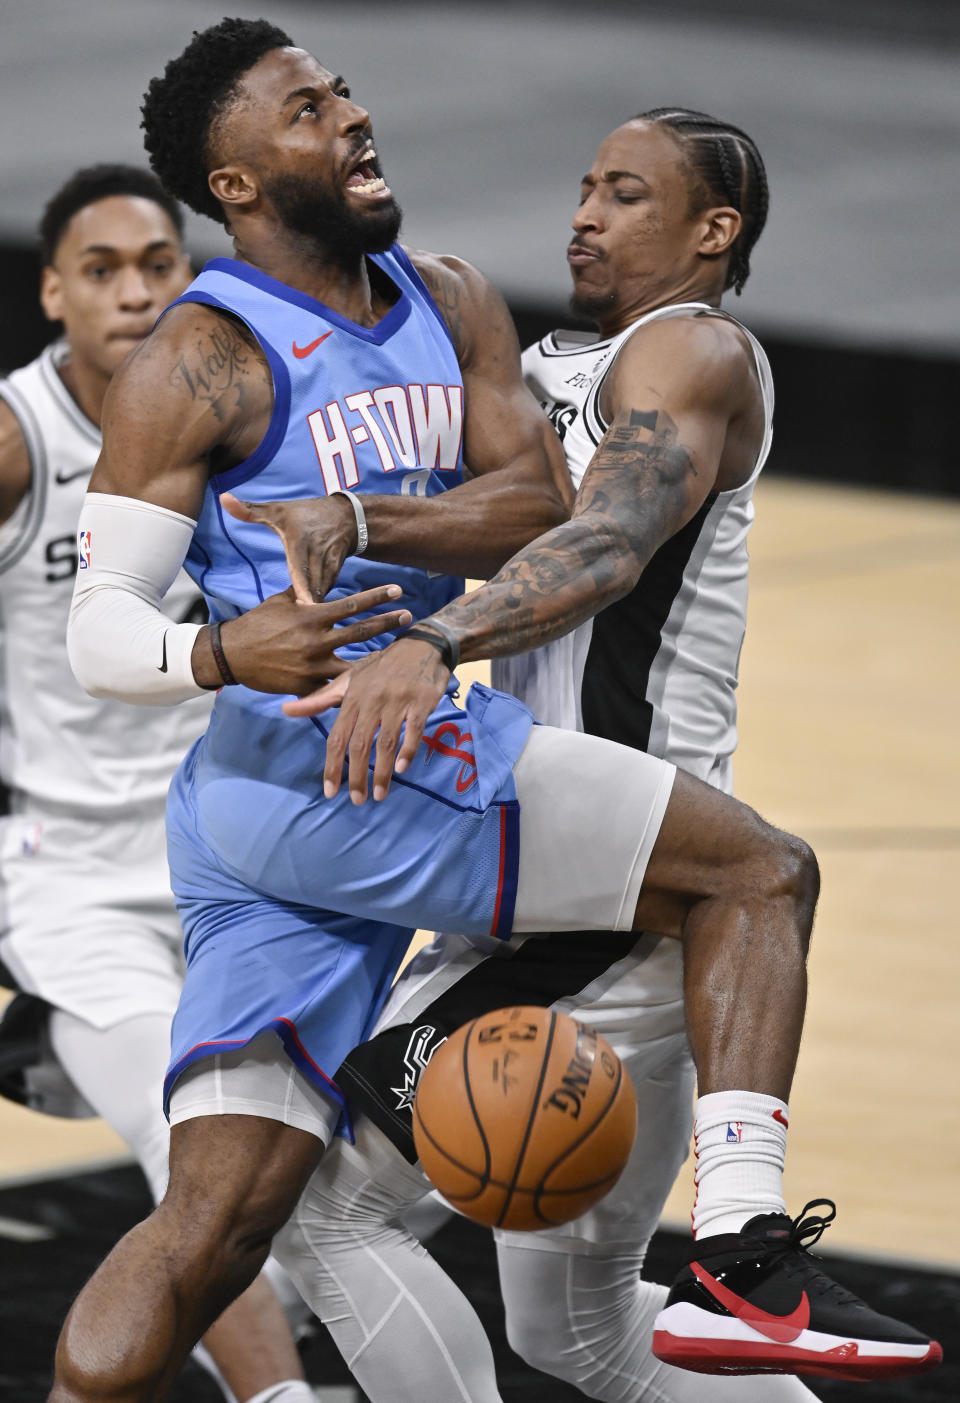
626,638
380,1077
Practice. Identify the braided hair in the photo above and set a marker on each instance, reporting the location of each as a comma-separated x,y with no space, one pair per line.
727,167
180,110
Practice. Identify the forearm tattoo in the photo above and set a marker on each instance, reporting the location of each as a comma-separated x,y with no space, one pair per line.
636,494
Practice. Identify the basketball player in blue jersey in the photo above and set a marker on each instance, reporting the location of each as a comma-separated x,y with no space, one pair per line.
296,900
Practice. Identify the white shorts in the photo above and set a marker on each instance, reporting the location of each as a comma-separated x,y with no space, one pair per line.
87,920
590,812
256,1080
637,1004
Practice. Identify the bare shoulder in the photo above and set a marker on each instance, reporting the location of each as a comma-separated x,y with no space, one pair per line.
14,462
197,393
466,299
445,270
199,363
706,357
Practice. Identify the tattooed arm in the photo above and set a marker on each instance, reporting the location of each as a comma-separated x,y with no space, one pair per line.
685,420
672,397
517,481
197,394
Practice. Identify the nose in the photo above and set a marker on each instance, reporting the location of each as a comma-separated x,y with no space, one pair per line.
351,117
133,292
589,215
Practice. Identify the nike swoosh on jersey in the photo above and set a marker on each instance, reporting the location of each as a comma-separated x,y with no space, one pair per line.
163,665
63,478
783,1329
301,351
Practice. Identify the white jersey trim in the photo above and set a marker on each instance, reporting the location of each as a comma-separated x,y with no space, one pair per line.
21,530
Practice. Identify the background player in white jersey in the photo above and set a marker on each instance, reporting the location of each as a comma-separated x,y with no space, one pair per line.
89,930
656,672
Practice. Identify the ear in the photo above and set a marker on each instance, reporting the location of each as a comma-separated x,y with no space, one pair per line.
51,294
718,229
233,186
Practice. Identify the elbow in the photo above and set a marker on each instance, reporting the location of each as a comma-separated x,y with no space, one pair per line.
84,668
615,567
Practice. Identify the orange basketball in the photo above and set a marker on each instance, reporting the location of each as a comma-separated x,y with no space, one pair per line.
524,1118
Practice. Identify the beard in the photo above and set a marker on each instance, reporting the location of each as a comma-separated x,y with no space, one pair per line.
591,306
325,217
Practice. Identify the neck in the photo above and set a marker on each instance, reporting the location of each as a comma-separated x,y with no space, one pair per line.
619,318
301,263
86,384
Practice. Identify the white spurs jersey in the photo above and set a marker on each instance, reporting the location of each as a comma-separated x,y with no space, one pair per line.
657,670
62,751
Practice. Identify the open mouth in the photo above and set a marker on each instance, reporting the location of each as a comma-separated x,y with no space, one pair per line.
365,177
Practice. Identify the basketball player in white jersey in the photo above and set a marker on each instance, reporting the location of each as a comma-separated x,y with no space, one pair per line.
88,926
657,671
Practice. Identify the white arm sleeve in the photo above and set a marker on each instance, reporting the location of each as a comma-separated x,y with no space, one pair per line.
119,643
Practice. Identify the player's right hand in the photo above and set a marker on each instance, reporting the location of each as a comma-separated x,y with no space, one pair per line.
286,646
318,533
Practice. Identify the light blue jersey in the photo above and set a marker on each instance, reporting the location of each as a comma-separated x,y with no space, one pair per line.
258,855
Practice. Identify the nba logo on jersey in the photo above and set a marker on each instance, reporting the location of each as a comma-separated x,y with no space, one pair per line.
85,545
734,1132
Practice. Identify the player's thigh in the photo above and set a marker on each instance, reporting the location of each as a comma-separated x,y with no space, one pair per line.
590,813
711,845
247,1131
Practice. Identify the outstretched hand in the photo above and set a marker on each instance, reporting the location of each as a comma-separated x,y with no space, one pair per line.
318,533
391,691
285,646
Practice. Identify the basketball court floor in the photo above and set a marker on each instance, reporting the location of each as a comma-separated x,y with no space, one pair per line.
848,736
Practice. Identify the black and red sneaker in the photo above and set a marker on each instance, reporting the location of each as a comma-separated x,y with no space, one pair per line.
757,1302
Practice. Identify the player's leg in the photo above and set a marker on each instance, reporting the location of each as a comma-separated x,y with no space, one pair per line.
235,1176
687,861
576,1306
120,1071
403,1327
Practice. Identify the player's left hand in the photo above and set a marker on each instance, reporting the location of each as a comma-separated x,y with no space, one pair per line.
390,691
318,533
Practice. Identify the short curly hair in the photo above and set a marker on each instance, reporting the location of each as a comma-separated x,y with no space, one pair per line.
180,109
93,183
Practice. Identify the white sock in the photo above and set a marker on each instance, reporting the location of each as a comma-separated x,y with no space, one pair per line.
741,1141
290,1391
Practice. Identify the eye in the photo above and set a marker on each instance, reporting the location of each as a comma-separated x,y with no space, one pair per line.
98,272
162,269
343,91
307,108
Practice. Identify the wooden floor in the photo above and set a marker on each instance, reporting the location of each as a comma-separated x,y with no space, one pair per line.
850,680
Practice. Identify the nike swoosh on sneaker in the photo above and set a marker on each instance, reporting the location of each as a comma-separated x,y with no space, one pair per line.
301,351
783,1329
163,665
62,478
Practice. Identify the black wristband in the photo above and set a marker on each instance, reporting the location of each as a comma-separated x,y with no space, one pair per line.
444,642
220,658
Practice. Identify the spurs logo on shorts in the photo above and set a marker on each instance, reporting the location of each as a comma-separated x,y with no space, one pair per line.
423,1043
